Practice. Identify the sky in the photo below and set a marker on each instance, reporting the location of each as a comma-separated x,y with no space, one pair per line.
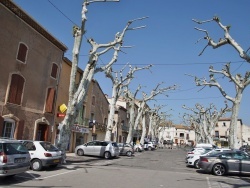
168,42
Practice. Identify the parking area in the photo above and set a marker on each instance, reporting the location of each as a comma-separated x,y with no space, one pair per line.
166,168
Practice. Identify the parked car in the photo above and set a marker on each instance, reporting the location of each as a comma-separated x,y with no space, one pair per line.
149,146
138,147
106,149
226,162
193,159
126,149
14,158
196,151
206,145
43,154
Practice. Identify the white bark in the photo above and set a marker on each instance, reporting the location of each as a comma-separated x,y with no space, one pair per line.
131,101
240,84
223,41
146,98
118,84
76,98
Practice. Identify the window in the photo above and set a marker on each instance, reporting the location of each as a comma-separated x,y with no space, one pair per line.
217,134
54,71
22,52
93,100
50,100
224,124
16,89
8,128
182,135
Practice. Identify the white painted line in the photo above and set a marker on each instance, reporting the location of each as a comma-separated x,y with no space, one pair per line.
208,182
31,175
58,174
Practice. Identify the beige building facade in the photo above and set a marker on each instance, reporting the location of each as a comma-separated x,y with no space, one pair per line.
30,67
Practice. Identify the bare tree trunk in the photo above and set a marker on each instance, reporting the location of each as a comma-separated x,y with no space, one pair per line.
144,129
111,114
131,122
233,141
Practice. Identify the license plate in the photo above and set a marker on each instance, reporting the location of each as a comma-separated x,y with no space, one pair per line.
56,161
19,160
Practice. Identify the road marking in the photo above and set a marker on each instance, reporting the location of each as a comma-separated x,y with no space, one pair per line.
56,174
208,182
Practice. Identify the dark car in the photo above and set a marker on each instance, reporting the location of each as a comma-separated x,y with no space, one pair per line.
226,162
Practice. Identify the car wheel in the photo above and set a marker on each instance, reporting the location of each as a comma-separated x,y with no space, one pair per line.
80,152
36,165
196,164
129,153
219,169
107,155
149,148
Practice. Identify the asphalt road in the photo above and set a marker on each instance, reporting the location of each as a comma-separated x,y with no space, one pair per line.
150,169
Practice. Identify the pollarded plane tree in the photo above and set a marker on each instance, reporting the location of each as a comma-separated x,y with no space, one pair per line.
130,99
145,99
155,119
196,121
206,120
240,82
193,121
118,83
77,96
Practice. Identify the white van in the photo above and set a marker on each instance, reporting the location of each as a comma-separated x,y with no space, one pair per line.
205,145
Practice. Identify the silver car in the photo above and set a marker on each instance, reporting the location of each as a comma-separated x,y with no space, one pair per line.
14,158
126,149
106,149
226,162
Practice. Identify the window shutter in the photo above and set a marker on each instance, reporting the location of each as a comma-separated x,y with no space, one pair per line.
22,51
50,100
16,89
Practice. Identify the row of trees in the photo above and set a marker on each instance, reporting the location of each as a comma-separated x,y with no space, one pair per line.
120,83
203,119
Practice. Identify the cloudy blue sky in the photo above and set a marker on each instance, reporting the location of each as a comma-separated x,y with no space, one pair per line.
168,42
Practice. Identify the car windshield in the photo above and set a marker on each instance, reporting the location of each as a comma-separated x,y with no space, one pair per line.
15,148
48,146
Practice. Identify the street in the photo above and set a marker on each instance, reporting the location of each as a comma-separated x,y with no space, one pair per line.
149,169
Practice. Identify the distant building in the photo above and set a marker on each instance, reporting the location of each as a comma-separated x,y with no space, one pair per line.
178,134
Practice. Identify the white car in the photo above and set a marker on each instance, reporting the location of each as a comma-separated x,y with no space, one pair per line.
43,154
149,146
196,151
138,147
193,159
106,149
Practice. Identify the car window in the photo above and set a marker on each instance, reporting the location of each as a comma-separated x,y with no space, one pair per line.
30,146
15,148
226,156
104,143
97,143
48,146
240,156
90,144
114,144
1,147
